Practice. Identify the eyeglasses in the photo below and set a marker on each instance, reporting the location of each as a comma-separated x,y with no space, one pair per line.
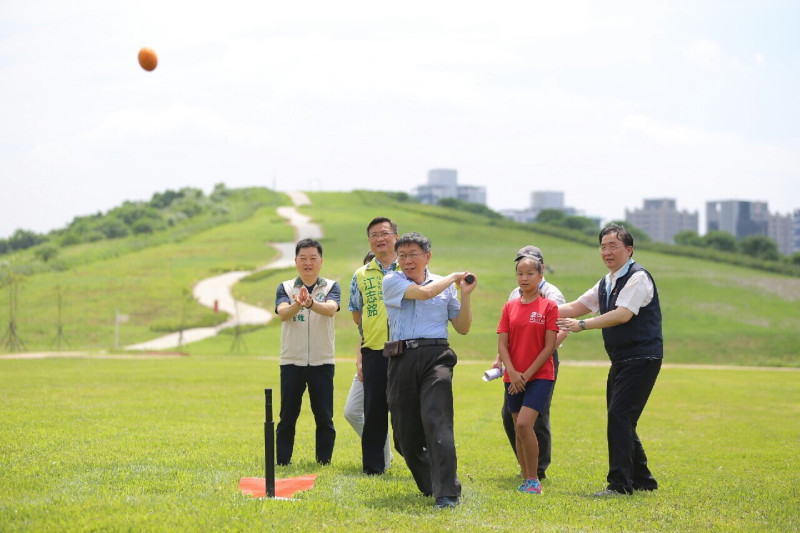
610,248
380,235
403,257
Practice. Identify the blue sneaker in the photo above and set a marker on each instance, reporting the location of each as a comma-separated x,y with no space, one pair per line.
531,486
444,502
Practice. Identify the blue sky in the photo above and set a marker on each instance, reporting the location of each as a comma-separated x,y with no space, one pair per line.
609,102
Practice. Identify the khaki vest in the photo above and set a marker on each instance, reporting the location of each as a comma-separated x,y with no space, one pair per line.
308,338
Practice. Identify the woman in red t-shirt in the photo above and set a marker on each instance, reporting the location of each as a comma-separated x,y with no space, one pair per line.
527,339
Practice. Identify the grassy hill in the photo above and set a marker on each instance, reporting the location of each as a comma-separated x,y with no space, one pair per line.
713,313
160,443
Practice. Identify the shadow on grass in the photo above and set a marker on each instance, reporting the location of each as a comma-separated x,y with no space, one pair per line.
411,501
506,482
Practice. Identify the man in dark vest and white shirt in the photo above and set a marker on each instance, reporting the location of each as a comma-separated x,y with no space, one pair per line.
630,317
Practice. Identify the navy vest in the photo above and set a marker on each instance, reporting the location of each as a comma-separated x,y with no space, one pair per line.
641,335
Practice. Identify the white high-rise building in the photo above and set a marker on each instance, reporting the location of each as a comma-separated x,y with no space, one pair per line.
780,230
443,183
661,220
541,200
796,231
547,200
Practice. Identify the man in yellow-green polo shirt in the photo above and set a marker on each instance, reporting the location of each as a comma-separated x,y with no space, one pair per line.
366,304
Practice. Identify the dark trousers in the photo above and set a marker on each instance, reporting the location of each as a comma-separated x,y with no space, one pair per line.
420,392
541,427
376,410
628,388
294,380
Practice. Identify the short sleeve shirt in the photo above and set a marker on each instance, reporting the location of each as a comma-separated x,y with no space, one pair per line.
637,293
418,319
526,325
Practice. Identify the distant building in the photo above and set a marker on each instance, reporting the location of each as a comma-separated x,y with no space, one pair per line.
661,220
472,194
796,231
443,183
541,200
520,215
737,217
444,177
547,200
780,230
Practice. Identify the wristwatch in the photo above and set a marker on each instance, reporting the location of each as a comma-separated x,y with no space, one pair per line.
582,324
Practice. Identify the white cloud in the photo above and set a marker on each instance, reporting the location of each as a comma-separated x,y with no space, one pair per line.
675,133
574,96
702,53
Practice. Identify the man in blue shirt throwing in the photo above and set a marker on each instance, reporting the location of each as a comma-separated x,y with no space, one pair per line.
419,305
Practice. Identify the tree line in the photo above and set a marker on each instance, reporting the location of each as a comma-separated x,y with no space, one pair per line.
163,210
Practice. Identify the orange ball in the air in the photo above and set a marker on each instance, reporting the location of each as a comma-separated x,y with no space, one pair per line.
148,59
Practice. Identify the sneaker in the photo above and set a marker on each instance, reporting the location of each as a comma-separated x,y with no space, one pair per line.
531,486
444,502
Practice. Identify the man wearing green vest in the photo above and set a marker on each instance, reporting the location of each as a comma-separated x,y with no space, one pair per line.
366,304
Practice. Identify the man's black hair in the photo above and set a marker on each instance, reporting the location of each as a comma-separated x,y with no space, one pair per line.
622,233
307,243
381,220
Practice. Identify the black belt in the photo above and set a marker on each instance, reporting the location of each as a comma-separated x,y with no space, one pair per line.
418,343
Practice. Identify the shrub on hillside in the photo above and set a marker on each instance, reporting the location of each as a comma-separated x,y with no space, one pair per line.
70,239
143,226
94,236
161,200
720,240
556,217
23,239
46,252
584,224
639,236
479,209
400,196
113,228
220,193
551,216
688,238
131,212
760,246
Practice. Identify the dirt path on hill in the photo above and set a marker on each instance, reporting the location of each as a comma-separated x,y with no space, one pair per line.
217,290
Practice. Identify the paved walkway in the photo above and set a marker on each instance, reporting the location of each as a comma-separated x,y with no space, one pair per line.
218,288
476,374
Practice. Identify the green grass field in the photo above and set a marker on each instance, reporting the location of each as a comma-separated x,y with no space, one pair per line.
133,442
160,444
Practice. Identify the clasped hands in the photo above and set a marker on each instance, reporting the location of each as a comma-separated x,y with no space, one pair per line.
517,381
304,298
